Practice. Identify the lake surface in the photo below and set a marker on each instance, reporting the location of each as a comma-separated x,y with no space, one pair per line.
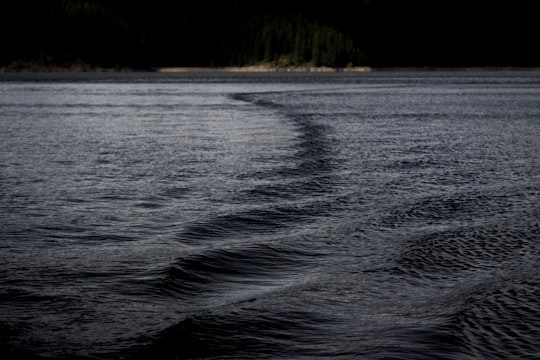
376,216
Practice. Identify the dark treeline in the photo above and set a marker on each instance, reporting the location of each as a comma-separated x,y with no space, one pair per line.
144,34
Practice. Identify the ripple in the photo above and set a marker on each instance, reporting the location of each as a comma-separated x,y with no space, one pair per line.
501,320
466,249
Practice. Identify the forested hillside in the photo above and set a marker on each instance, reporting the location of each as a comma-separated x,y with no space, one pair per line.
146,34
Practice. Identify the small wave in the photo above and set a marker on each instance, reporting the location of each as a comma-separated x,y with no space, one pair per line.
233,272
176,192
451,208
295,190
22,296
420,342
149,205
256,99
237,224
254,222
241,332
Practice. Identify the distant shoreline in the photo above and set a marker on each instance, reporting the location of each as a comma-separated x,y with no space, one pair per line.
263,68
84,68
358,69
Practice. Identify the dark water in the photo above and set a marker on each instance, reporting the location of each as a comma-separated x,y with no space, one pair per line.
391,216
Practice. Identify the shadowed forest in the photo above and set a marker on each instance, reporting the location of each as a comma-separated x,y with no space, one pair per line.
377,33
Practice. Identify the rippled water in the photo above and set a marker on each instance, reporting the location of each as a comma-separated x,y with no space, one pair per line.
270,216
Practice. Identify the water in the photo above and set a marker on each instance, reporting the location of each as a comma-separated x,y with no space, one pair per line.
270,216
